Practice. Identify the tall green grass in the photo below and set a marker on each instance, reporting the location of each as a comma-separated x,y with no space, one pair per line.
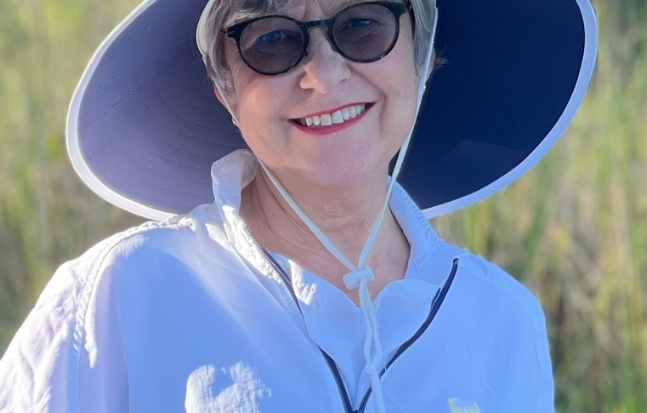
574,229
46,215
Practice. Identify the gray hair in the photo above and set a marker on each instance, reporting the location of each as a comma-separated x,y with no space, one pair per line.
224,13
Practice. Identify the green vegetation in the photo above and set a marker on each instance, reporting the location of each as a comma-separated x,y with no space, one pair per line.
574,229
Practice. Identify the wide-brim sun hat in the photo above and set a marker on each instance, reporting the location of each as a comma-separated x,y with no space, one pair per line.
144,126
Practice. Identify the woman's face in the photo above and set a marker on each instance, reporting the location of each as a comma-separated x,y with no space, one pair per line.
350,155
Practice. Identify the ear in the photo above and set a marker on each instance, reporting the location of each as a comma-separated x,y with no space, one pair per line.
221,99
231,100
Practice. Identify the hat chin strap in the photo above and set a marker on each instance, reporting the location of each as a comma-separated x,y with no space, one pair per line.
360,275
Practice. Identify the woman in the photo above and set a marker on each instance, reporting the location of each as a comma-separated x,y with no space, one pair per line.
300,277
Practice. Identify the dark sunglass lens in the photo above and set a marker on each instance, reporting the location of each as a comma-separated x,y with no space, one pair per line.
365,32
271,45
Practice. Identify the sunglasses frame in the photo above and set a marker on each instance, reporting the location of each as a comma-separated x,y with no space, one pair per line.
398,9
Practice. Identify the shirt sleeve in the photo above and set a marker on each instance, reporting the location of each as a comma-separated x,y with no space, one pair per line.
38,371
535,378
547,387
546,390
66,355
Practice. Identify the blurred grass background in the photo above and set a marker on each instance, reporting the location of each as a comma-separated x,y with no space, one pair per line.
574,229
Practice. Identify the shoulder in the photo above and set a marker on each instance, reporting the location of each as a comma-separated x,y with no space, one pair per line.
500,328
504,285
50,347
505,318
138,256
489,290
73,283
130,246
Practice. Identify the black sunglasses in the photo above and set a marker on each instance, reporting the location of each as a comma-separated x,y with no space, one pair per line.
363,32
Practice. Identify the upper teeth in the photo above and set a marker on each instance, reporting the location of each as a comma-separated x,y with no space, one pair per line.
339,116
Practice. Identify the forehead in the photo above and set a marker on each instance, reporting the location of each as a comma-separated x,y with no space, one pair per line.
299,9
326,6
303,8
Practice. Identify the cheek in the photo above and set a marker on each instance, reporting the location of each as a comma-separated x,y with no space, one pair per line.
262,123
263,101
403,79
402,98
402,114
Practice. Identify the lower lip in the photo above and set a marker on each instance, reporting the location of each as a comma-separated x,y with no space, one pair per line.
325,130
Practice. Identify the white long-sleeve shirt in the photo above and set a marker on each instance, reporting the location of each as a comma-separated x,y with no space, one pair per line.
191,314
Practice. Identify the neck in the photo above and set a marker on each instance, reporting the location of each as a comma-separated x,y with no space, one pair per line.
345,217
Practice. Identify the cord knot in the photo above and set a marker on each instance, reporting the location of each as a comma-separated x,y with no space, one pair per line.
353,278
371,371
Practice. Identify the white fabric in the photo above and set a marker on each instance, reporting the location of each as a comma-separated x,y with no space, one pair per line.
189,315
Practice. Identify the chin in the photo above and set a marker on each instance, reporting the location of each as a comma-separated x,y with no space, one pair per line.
335,164
343,176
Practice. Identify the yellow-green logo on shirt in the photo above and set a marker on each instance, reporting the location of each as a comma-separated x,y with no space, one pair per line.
457,405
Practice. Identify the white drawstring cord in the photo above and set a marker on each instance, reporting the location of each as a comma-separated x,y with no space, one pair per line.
361,275
372,345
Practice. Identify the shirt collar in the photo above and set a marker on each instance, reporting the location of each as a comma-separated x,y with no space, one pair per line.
401,307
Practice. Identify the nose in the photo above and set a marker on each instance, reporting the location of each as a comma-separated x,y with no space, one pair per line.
324,69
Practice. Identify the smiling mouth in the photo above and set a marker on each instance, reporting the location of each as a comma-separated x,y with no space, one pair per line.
337,117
